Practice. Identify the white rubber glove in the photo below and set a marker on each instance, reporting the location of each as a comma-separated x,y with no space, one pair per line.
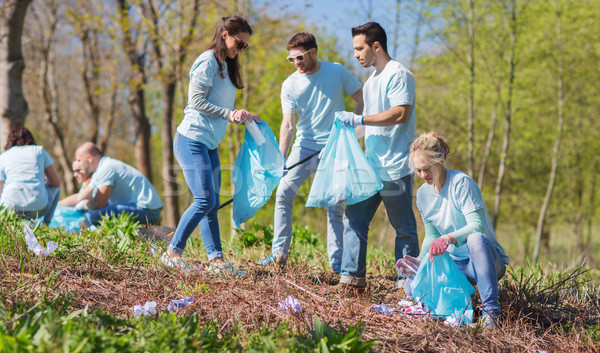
350,119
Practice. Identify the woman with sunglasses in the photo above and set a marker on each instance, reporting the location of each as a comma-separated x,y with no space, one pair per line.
456,221
214,78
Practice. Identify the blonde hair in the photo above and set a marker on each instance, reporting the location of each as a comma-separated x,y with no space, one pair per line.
431,146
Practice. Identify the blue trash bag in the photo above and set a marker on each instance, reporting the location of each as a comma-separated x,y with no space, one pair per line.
67,218
256,173
443,289
344,175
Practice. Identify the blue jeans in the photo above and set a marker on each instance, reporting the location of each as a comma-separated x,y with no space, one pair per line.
202,172
143,215
286,193
48,211
484,267
397,198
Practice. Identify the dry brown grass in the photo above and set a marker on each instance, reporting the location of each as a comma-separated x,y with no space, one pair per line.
533,319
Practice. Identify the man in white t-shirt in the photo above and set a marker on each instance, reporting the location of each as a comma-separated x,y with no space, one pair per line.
315,91
115,187
390,127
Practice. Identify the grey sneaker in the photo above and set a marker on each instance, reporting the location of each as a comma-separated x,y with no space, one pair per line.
486,322
272,260
227,268
177,262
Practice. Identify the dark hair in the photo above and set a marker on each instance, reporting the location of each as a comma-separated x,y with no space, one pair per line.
373,33
233,25
304,40
19,136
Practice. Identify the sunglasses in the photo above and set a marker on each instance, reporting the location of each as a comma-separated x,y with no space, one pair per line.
300,57
241,45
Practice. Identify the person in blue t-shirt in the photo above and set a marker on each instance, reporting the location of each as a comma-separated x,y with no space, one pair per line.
29,183
390,127
214,78
456,221
114,187
315,91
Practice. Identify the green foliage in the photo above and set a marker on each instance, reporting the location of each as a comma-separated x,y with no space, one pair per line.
49,329
327,339
258,235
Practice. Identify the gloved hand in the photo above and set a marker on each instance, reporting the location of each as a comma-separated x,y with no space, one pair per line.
350,119
439,246
241,116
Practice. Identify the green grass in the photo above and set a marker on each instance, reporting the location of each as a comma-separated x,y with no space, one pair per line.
42,308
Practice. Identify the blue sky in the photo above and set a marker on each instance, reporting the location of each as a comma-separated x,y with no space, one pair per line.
339,16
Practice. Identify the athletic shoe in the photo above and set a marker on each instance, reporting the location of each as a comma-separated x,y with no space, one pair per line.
177,262
226,268
272,260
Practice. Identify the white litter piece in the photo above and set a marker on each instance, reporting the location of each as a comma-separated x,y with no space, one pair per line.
34,245
382,308
149,309
290,304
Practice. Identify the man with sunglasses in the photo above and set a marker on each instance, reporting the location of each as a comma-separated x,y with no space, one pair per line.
315,91
390,127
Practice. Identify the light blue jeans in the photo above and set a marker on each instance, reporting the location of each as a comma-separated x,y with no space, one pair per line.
286,193
397,198
143,215
202,172
48,211
484,267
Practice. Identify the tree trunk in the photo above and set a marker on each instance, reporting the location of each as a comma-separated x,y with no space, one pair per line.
490,139
170,193
508,116
471,113
137,100
49,92
13,106
556,149
142,133
396,28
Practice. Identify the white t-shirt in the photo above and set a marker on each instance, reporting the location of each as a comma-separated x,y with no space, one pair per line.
23,170
195,125
387,147
129,186
446,210
316,98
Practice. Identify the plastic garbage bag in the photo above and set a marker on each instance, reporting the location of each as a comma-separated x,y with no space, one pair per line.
344,175
443,289
148,309
68,218
34,245
256,173
176,304
290,304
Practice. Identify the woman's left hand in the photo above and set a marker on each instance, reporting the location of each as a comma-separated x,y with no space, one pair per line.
438,246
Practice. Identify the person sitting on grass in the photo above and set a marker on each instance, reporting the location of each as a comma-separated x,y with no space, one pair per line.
456,220
114,187
29,183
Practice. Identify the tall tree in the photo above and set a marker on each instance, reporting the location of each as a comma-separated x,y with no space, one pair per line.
13,106
560,114
134,45
171,42
47,17
513,25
